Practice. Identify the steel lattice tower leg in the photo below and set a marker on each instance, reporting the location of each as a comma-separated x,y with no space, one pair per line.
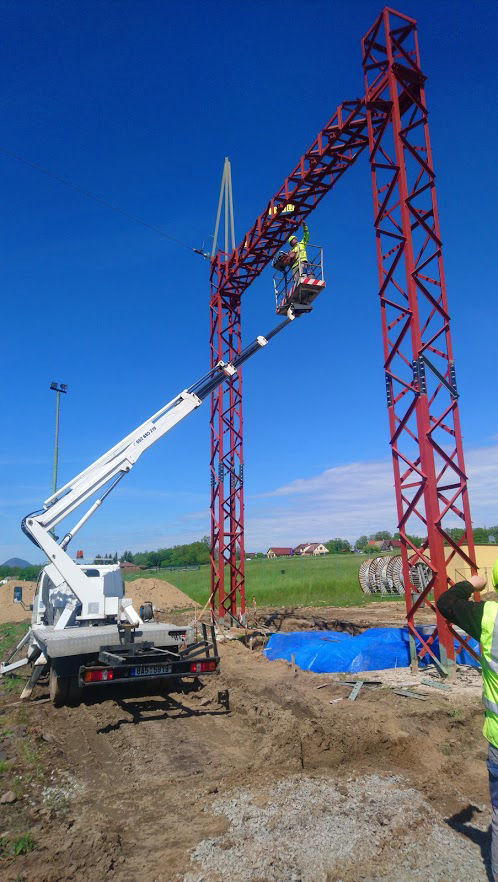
422,398
227,462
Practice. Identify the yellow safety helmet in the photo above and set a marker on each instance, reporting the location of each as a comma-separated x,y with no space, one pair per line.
494,575
291,238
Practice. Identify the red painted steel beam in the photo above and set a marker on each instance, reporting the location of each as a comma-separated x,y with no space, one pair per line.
425,435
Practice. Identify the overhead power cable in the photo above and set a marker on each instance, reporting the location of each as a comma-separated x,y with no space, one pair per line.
96,198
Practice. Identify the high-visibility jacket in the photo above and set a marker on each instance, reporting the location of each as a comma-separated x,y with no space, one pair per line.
300,248
489,661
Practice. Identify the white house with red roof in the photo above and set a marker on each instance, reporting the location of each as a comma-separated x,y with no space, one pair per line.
279,552
307,549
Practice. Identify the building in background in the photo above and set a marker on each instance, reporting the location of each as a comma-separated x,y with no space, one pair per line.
280,552
127,567
307,549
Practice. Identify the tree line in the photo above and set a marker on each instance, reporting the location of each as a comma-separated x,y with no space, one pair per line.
482,536
27,574
197,553
192,554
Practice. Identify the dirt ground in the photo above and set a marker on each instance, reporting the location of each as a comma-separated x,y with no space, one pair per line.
291,783
353,619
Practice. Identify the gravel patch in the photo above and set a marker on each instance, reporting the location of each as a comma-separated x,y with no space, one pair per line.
306,829
64,789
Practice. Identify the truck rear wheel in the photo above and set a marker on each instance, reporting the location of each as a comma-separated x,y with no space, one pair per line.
59,687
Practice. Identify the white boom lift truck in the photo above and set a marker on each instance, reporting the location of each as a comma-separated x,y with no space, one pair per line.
84,631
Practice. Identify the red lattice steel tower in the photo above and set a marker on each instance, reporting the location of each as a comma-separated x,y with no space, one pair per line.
426,442
227,460
422,397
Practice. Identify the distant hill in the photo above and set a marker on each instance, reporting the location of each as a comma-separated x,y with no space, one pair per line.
16,562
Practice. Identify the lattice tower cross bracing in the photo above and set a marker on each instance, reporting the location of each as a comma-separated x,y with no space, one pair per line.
390,123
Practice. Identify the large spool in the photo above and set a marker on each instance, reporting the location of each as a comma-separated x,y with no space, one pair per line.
384,575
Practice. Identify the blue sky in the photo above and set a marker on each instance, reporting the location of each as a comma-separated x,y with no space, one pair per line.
139,102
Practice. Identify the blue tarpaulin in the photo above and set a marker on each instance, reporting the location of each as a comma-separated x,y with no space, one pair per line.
335,651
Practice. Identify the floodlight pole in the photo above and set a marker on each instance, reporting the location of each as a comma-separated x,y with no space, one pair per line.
57,388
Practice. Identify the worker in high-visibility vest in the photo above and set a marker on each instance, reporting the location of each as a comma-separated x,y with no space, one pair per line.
480,620
297,258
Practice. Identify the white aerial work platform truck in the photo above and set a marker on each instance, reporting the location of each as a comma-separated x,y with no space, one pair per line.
84,630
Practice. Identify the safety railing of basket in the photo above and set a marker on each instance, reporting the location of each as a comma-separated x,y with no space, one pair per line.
286,279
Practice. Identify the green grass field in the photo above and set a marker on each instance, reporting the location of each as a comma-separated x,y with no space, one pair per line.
331,580
10,634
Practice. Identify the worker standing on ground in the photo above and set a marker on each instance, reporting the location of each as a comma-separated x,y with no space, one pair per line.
480,620
298,259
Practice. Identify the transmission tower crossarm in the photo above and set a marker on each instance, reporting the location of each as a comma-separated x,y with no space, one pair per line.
335,149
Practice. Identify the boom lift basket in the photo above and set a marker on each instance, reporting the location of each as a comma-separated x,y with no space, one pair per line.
300,283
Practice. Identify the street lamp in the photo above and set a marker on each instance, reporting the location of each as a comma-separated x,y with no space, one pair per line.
57,388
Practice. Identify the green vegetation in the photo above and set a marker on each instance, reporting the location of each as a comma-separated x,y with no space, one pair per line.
331,580
19,845
456,713
30,760
194,554
13,683
338,546
361,543
482,535
10,635
27,574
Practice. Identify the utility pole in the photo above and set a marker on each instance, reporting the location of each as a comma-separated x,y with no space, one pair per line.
57,388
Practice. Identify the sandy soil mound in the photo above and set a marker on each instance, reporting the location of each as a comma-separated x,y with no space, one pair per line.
13,612
162,595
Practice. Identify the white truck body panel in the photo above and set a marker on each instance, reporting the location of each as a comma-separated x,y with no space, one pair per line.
83,640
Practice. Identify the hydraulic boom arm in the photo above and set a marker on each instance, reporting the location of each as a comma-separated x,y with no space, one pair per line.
105,473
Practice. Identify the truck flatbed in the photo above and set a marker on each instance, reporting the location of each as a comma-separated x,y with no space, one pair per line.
88,639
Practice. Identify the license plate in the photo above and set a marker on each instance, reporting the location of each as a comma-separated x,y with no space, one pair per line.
150,670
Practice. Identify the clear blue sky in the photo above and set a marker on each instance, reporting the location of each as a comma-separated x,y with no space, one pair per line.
140,102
